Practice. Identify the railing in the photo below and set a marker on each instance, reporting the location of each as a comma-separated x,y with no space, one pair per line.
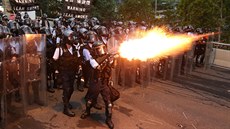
218,54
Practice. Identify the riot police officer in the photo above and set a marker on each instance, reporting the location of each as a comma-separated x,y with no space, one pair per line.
4,20
25,30
13,76
91,37
50,48
97,80
68,61
18,18
27,20
103,34
45,22
14,28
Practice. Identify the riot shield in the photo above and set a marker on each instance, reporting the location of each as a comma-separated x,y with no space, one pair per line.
144,70
129,73
12,97
34,70
112,46
209,55
189,64
2,98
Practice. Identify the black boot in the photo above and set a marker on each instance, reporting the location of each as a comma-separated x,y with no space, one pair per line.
49,87
108,113
79,87
35,89
67,111
109,122
69,96
86,113
70,106
66,97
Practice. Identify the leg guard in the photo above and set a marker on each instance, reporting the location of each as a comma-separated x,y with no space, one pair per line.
86,113
108,113
65,98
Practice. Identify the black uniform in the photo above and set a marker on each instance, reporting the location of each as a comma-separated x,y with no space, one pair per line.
67,67
98,80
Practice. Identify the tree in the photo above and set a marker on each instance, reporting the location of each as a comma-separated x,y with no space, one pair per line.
137,10
183,11
199,13
213,14
226,21
167,10
103,10
50,7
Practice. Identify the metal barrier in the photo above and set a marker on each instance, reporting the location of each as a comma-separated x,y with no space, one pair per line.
217,54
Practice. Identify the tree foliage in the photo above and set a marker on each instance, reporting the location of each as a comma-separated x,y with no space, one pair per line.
50,7
104,9
211,14
226,21
199,13
167,10
137,10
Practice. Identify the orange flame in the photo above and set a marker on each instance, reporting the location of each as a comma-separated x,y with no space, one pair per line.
155,43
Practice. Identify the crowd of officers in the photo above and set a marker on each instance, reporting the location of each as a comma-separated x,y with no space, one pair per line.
78,49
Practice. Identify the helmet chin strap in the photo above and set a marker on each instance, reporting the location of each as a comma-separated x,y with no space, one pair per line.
68,46
90,45
104,39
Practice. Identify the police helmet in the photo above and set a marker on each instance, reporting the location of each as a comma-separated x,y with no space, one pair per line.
85,24
18,15
37,23
70,35
95,28
118,30
13,26
83,33
25,30
26,15
103,31
131,23
91,36
99,48
46,31
76,27
199,31
113,23
97,22
6,31
119,23
27,21
44,16
2,34
92,22
143,23
4,17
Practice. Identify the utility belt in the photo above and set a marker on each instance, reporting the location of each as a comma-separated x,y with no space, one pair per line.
86,63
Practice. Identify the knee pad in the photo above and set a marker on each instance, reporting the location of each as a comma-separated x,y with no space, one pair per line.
110,105
88,103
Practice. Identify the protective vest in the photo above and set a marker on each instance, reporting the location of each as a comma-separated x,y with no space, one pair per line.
68,61
81,53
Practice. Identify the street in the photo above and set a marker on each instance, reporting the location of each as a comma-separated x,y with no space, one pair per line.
200,100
